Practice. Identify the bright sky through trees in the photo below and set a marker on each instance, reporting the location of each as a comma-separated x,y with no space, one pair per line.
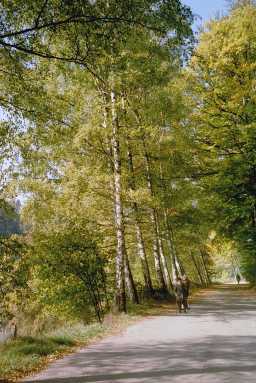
206,8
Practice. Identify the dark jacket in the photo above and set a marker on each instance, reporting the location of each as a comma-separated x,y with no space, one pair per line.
185,288
178,290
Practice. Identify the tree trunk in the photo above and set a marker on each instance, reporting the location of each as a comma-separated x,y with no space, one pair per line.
119,219
203,271
177,269
205,267
156,253
144,260
166,273
140,241
175,272
131,287
153,217
167,276
179,265
197,269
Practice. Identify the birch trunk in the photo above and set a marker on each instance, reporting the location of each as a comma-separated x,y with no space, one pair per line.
140,241
144,260
156,251
197,269
119,219
130,284
166,273
175,272
179,265
208,279
203,271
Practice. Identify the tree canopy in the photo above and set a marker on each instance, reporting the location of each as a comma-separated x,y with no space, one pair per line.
131,148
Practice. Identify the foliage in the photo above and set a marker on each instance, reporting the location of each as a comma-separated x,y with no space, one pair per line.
127,161
26,354
9,220
13,275
223,75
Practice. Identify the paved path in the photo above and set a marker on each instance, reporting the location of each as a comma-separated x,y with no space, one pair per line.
214,343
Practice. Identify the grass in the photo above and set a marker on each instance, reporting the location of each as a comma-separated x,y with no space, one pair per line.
26,355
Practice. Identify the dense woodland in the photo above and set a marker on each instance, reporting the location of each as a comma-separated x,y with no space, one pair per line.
130,142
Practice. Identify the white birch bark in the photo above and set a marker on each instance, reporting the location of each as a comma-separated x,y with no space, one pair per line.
153,219
119,220
140,242
139,236
156,251
130,284
197,267
166,273
144,260
205,267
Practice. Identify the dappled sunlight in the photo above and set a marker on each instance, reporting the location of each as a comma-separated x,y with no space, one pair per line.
127,191
214,342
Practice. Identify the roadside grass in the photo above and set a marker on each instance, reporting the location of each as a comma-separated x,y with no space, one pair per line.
26,355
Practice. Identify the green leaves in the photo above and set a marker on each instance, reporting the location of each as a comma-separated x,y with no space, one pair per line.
13,274
61,59
223,68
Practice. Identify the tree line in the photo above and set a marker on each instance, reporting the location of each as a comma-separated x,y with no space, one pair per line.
131,147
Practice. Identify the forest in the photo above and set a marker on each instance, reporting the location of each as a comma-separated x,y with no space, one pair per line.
129,141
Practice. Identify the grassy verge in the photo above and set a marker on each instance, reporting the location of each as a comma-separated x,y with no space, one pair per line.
26,355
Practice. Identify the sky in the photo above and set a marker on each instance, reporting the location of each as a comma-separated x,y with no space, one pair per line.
206,8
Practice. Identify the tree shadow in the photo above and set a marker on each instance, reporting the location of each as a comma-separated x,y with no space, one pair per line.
226,303
201,358
214,357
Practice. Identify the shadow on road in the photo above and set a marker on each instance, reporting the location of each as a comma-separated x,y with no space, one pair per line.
205,358
226,303
235,355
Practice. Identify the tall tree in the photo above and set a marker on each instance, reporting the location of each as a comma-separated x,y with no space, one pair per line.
223,69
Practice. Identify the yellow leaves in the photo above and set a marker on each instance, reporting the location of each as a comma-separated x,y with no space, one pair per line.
140,196
172,212
229,41
224,63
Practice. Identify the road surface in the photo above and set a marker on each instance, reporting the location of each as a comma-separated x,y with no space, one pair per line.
214,343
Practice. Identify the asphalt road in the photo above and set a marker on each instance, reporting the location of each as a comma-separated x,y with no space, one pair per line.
214,343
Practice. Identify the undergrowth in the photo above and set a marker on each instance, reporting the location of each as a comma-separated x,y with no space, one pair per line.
25,355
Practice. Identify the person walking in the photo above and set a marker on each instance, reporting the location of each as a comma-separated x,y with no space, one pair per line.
185,287
238,278
178,289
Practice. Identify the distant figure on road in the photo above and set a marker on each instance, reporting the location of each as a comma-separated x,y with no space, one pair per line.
238,278
185,285
178,288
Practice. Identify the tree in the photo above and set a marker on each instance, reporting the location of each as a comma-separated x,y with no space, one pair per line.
34,27
63,32
14,273
223,76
